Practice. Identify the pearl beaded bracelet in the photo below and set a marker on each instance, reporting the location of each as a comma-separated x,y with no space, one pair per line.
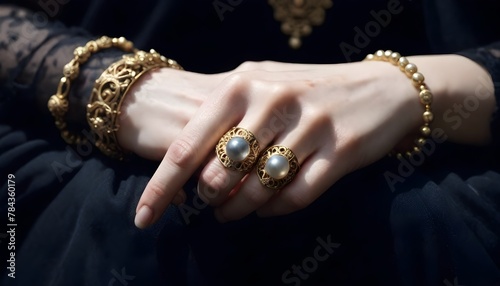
417,79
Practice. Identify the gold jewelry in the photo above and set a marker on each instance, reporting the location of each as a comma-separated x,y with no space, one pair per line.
277,167
298,16
110,90
417,79
238,149
58,103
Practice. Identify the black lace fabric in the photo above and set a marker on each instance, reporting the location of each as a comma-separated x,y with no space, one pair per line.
33,54
489,57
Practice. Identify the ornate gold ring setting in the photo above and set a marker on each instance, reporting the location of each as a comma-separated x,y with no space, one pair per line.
277,167
238,149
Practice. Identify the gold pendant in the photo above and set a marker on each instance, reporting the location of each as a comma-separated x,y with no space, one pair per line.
298,16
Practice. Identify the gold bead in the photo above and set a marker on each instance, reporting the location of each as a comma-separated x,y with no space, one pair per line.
306,30
121,40
394,58
82,54
425,97
417,78
410,69
403,61
92,46
425,94
428,117
286,28
295,42
71,70
421,142
128,46
426,131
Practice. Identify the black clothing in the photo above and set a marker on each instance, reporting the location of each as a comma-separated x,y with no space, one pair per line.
75,207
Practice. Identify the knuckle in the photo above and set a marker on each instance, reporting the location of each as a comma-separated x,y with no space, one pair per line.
282,90
282,94
215,179
233,88
267,63
237,79
318,120
156,191
182,153
256,65
247,66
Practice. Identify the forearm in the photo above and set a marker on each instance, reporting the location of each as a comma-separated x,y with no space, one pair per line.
464,99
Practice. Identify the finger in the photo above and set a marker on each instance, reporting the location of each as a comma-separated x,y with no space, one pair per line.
189,150
216,181
253,194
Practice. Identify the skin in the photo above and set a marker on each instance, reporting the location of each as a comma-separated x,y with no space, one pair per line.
338,118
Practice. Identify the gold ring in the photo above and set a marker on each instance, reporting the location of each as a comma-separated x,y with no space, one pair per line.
238,149
277,167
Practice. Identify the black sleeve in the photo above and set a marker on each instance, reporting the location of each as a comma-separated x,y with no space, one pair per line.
33,53
489,57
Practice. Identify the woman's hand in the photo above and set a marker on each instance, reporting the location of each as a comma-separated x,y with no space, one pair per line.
157,108
335,118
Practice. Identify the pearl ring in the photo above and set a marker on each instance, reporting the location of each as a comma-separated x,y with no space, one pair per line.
238,149
277,167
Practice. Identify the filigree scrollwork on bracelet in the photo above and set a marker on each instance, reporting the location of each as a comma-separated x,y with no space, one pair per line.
109,91
59,102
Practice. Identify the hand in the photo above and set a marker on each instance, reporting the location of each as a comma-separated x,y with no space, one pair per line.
157,108
336,119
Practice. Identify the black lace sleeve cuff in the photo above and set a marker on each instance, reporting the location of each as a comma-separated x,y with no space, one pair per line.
489,58
32,57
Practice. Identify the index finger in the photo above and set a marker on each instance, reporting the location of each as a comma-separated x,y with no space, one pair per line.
186,154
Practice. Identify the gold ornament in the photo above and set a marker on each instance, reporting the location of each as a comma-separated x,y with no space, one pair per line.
298,16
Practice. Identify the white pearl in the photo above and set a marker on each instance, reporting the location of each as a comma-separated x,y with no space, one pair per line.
237,149
277,166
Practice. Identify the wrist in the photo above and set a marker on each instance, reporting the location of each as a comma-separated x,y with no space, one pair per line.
157,107
463,97
402,97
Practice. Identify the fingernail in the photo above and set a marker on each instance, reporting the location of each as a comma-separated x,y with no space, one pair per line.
143,217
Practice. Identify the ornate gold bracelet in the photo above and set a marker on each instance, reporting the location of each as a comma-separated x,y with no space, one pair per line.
417,79
58,103
110,90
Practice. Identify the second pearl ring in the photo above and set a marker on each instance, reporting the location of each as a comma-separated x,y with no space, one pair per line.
277,167
238,149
